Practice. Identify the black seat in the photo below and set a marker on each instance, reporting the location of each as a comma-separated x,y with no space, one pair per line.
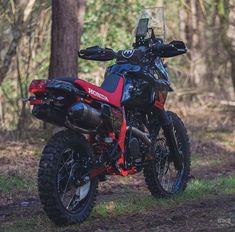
66,79
110,83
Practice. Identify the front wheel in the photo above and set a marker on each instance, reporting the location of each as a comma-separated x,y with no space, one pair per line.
161,176
66,194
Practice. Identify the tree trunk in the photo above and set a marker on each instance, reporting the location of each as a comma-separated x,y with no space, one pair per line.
189,31
67,20
195,38
227,20
233,71
20,15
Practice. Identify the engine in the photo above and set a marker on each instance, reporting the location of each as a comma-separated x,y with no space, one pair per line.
137,140
135,155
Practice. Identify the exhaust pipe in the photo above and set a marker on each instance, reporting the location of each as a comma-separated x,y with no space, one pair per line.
140,134
83,117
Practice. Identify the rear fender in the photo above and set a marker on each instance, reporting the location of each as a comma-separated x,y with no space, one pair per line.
66,88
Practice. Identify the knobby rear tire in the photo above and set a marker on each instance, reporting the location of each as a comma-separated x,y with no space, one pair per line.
47,179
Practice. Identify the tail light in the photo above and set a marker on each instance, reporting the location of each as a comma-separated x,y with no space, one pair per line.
38,86
34,101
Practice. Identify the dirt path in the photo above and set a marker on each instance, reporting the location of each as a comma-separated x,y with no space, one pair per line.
217,214
209,215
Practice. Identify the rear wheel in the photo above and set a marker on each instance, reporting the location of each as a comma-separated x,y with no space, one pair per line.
66,194
162,177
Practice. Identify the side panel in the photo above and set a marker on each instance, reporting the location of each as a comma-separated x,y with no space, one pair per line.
136,93
98,93
160,99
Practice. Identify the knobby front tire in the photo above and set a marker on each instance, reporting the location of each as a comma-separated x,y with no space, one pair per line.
151,173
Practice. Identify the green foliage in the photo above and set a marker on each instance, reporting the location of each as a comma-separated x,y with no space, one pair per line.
16,183
109,24
221,7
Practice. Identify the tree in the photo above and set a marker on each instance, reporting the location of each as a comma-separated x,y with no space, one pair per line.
194,33
67,21
227,19
18,14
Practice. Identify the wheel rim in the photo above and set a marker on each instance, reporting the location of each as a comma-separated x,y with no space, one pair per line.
168,176
73,192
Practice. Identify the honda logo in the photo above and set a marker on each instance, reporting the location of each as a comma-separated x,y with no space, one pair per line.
99,95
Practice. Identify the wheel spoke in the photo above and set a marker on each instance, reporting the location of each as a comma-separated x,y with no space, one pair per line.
61,178
66,162
66,179
67,185
168,176
73,202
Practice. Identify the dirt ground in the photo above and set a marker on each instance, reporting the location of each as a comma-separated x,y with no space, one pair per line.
216,214
212,136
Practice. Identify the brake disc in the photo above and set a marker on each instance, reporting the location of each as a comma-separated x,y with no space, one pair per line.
83,190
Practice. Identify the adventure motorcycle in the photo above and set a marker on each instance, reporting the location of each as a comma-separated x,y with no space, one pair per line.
119,128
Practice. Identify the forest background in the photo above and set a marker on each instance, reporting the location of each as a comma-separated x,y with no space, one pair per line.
206,73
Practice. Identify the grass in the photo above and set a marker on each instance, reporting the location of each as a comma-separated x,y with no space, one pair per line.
16,183
220,135
203,163
208,163
196,190
226,138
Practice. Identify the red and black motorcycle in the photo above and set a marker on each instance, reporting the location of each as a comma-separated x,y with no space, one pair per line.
119,128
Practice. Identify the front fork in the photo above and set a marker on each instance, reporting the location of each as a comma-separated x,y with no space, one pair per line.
171,140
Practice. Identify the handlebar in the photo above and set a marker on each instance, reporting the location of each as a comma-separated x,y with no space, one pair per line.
89,51
174,48
159,49
97,53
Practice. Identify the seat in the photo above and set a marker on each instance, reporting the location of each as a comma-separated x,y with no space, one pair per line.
110,83
67,79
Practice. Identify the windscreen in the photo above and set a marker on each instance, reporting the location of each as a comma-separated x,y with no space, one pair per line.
151,19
